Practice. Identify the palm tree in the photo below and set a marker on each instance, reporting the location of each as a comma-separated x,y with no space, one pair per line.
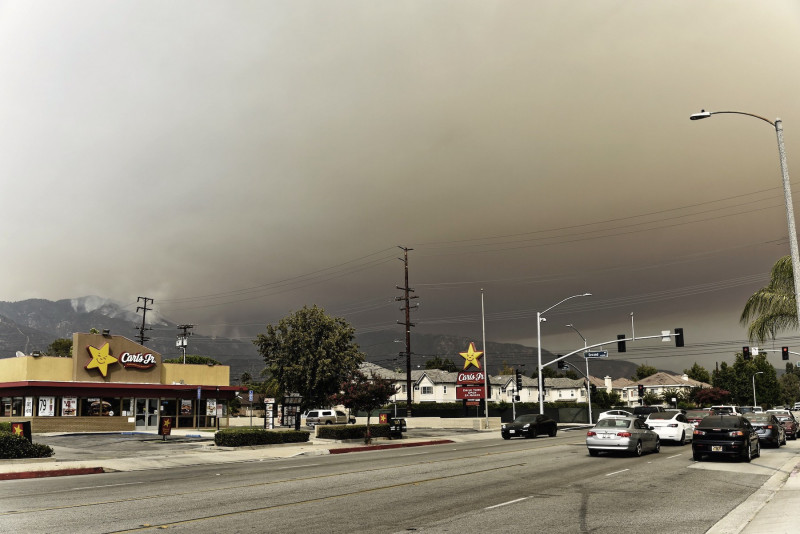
772,308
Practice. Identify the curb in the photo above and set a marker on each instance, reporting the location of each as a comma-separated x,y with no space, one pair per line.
365,448
52,473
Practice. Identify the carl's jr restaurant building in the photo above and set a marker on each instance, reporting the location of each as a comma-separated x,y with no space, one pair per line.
112,383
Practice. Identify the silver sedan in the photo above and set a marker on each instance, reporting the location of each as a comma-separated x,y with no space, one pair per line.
627,434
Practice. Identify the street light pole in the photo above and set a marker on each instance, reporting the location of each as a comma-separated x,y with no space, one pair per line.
588,384
755,403
787,194
539,319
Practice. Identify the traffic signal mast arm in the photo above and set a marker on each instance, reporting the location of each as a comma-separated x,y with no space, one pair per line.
610,342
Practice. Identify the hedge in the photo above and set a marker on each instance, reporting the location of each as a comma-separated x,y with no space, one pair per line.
13,446
5,427
352,431
242,437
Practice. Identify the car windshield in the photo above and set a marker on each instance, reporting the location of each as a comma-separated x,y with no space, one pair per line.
613,423
694,414
525,419
758,417
783,418
662,415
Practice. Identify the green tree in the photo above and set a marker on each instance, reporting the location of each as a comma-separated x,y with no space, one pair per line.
506,369
644,370
651,399
772,308
445,364
606,400
61,347
668,394
789,385
699,373
360,393
310,353
194,359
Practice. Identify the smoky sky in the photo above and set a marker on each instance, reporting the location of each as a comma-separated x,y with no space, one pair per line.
237,161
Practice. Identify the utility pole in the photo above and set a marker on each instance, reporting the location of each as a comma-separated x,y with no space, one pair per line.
406,298
144,309
183,338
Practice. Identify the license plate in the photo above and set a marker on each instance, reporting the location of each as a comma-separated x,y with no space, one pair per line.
716,448
606,436
512,431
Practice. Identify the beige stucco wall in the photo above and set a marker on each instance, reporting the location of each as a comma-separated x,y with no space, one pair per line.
206,375
36,368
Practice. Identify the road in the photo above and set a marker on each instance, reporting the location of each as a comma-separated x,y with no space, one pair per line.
550,484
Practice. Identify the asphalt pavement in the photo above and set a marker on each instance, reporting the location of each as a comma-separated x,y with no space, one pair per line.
769,510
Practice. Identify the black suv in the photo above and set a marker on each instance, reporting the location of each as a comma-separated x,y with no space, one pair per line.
643,411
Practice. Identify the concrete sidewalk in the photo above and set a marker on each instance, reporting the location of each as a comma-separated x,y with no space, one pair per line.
771,509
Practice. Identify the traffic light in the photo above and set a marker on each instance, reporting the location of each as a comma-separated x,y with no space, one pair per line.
785,353
594,389
562,364
746,353
621,344
679,337
641,391
519,380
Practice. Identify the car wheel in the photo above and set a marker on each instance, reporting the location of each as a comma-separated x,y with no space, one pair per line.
553,432
638,451
658,446
682,441
506,437
784,440
593,452
696,456
758,450
748,453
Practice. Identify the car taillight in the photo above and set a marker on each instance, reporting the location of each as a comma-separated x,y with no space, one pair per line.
769,426
698,432
736,433
591,433
624,434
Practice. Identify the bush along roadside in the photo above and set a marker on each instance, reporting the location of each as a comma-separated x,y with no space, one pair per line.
13,446
352,431
242,437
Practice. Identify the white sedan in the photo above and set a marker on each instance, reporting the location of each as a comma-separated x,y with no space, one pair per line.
672,426
614,413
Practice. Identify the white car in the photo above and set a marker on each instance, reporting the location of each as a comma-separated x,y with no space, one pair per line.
672,426
614,413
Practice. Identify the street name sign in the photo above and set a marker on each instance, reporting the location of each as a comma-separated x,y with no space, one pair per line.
596,354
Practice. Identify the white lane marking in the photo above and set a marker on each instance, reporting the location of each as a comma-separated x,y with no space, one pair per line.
617,472
674,456
106,486
505,503
297,466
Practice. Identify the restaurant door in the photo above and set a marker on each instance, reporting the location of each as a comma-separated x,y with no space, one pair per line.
146,414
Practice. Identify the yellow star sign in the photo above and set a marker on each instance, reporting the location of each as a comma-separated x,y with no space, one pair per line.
17,430
472,356
101,359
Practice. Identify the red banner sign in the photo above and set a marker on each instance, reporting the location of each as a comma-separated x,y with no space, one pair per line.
469,392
